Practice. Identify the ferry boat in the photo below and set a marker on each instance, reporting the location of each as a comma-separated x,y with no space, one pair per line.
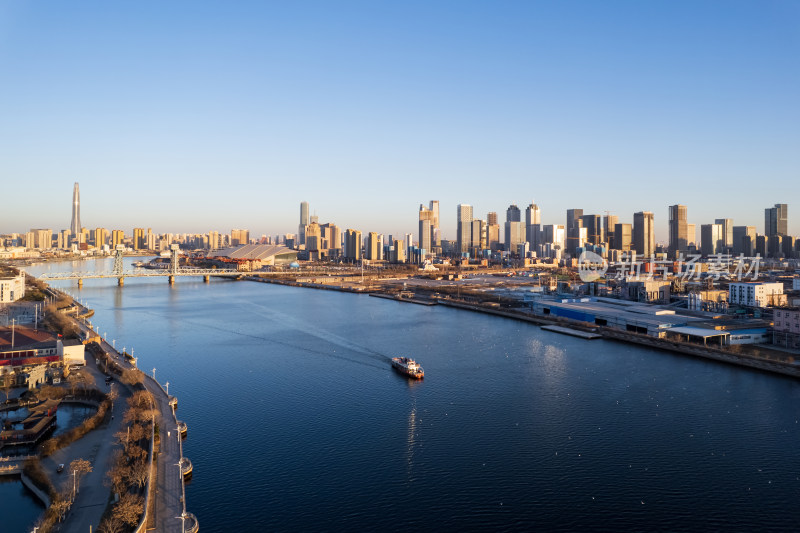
409,367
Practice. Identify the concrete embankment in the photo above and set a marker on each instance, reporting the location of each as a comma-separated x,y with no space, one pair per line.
417,301
704,352
694,350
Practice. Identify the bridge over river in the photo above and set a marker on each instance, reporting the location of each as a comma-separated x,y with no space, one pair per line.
171,272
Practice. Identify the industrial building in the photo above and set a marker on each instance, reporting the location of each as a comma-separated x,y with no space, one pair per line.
619,314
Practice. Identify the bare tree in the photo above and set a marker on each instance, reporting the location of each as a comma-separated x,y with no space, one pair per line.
137,432
132,376
111,524
129,509
80,467
112,395
88,380
141,399
139,472
117,476
60,507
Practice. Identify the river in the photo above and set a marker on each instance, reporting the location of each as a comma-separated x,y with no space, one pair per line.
298,423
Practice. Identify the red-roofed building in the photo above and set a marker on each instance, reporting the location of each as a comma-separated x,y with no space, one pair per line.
22,346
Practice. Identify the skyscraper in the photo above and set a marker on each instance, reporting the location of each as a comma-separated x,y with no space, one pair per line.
492,232
515,232
301,229
426,228
609,224
352,241
644,233
775,220
678,230
75,224
711,239
573,229
727,234
533,225
744,240
464,227
437,238
594,228
622,237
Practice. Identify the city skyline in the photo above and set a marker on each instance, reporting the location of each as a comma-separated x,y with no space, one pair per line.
214,117
533,215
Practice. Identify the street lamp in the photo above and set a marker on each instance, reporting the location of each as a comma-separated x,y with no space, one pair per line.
154,374
167,388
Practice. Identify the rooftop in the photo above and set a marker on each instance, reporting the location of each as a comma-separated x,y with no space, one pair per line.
23,337
252,252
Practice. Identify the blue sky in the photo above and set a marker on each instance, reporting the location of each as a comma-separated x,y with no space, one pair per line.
192,116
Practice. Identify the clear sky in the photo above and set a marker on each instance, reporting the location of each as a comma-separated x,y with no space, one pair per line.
193,116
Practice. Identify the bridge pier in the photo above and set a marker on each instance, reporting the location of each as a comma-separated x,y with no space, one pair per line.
171,279
206,278
121,281
80,283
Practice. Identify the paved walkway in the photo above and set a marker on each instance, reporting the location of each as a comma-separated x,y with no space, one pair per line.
168,494
97,448
169,488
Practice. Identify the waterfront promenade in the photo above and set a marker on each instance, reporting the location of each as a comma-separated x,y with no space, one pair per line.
167,486
96,447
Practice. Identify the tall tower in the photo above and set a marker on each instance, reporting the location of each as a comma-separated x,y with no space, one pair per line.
644,236
426,229
437,238
301,230
533,225
75,225
464,227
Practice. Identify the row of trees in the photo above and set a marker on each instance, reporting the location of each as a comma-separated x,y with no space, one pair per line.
60,500
131,470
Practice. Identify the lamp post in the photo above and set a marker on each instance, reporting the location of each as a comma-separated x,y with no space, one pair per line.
73,484
167,384
154,374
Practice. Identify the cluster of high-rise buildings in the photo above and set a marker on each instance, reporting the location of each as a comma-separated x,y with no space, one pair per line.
607,236
319,242
722,237
476,238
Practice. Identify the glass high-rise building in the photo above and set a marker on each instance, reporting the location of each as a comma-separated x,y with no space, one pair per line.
776,220
75,224
301,230
464,227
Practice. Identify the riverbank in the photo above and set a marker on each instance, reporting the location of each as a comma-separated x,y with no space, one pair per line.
567,326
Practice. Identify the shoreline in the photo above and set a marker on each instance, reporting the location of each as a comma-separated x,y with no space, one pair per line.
682,348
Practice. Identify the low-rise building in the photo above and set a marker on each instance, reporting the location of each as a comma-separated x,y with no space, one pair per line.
786,327
22,347
73,353
12,288
755,293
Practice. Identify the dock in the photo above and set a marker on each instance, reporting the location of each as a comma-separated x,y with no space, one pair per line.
417,301
573,332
